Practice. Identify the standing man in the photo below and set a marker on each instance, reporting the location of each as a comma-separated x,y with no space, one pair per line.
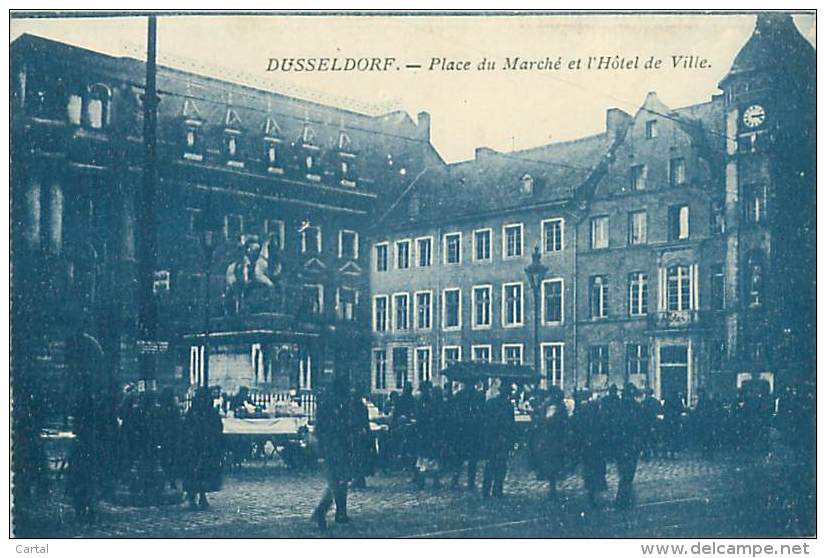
501,426
630,423
469,417
336,437
651,410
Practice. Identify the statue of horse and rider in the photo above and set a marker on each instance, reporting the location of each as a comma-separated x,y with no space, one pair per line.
254,278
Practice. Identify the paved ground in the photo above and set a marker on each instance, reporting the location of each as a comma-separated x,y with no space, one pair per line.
729,495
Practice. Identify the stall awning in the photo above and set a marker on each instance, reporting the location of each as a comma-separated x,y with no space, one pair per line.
475,371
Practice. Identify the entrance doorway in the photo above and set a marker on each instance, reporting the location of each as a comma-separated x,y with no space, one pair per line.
673,372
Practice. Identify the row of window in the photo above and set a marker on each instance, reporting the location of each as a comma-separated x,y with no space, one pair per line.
513,246
391,368
309,236
678,227
676,174
401,317
636,359
678,288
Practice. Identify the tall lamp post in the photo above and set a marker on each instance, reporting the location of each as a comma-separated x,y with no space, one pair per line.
536,272
210,231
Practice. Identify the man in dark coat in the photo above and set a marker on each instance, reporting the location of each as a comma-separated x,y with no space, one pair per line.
402,428
203,449
588,427
429,425
551,439
468,416
364,455
651,409
629,421
337,434
501,429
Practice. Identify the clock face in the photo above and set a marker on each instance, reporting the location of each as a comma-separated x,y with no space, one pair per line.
754,116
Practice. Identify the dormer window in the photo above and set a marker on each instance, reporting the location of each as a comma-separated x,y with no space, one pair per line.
527,185
308,135
74,109
232,148
97,107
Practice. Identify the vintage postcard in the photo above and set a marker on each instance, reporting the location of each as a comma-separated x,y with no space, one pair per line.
414,274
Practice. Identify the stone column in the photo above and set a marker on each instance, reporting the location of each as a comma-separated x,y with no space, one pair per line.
55,218
31,230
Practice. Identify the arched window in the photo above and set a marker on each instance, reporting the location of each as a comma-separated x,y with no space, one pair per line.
98,106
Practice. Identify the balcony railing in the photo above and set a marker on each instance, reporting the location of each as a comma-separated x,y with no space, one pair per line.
674,319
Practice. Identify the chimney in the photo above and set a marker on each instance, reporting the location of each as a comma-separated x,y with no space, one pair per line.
423,125
483,152
616,121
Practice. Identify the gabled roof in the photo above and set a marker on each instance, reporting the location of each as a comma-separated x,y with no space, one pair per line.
493,181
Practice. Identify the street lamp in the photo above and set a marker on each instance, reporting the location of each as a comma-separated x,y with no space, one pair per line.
536,272
210,229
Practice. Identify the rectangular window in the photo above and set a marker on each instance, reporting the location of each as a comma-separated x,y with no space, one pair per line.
599,296
274,229
553,235
402,254
676,171
512,304
512,354
423,364
379,369
233,226
481,244
74,109
717,354
552,301
424,249
513,241
481,353
451,355
599,232
314,299
597,360
718,285
638,294
401,309
553,363
193,222
161,281
636,359
347,303
424,309
639,173
481,306
638,228
311,240
717,218
453,248
452,309
677,222
400,366
651,129
678,288
348,244
381,257
756,195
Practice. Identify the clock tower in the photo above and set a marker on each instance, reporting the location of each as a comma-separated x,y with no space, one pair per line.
770,213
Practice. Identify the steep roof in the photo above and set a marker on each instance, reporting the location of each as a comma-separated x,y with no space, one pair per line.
777,45
494,181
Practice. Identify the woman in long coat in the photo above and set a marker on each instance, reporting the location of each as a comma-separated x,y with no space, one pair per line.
203,450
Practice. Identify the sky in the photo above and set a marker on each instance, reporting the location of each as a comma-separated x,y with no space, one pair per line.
501,109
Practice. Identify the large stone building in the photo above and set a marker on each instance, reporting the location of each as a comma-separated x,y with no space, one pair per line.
680,242
291,184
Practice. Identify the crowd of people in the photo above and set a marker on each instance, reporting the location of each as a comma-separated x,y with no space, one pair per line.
436,436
